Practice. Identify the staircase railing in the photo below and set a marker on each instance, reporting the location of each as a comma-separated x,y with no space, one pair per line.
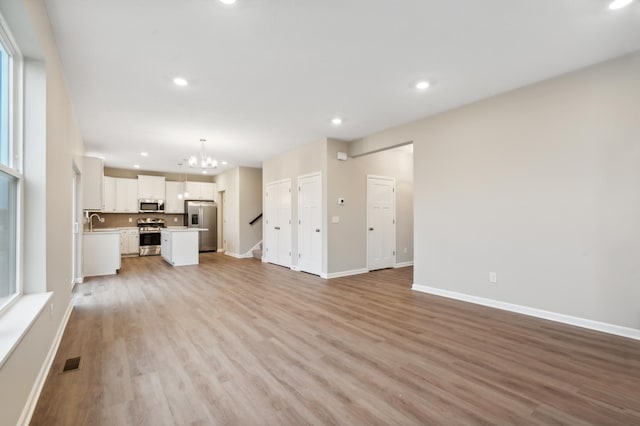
256,219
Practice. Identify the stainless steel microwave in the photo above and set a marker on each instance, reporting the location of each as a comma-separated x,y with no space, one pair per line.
151,206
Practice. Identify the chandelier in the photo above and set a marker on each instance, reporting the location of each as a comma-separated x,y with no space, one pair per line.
205,161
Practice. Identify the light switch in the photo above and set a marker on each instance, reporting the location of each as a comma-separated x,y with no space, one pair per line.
335,219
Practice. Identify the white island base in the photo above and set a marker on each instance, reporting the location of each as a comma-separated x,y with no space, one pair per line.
179,247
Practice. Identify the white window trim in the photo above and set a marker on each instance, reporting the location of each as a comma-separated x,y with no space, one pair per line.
16,166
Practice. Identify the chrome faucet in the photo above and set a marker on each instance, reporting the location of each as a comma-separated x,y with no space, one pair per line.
90,219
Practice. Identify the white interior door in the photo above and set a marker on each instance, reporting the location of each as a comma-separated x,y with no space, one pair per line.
284,224
381,223
278,223
310,223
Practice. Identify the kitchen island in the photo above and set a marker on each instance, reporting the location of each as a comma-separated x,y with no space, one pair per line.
179,246
100,252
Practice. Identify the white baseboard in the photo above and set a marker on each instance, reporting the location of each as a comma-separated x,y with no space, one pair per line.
80,280
344,273
238,255
631,333
34,395
295,268
249,252
403,264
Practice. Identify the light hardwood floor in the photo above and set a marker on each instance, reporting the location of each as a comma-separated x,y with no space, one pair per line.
240,342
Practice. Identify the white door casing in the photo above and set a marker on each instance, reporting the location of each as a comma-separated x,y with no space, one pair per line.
310,223
381,223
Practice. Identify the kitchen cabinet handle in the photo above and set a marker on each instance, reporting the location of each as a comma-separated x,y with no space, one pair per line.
370,229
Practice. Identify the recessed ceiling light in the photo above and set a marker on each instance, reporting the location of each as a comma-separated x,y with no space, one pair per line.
204,172
224,163
228,1
136,166
619,4
422,85
144,154
336,121
179,81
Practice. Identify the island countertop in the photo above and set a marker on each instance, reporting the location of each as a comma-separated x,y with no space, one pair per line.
183,229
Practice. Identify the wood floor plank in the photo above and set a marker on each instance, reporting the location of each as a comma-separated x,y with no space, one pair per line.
239,342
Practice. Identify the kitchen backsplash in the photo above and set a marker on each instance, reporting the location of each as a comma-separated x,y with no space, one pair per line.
121,220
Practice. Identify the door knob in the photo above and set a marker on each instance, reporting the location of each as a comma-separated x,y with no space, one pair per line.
317,230
370,229
276,227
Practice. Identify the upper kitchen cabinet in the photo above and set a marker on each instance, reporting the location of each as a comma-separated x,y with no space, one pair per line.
174,202
120,195
92,183
109,205
151,187
126,195
201,191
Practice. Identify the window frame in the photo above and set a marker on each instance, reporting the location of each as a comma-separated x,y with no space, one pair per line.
15,139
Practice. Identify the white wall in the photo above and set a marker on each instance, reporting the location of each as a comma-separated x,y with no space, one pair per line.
306,159
345,243
540,185
47,174
347,240
243,197
229,182
250,193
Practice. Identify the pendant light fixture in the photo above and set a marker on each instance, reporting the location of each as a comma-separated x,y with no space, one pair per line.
205,161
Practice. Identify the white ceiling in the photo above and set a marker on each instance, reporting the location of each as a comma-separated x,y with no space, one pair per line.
268,75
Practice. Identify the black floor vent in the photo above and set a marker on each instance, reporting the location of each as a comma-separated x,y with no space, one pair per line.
71,364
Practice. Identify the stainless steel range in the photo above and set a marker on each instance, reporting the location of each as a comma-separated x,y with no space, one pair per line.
150,228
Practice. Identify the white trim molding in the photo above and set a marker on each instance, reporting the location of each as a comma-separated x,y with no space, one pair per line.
34,395
232,254
295,268
403,264
343,273
617,330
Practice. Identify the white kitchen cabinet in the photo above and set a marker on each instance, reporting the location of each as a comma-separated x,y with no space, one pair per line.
201,191
126,195
151,187
174,203
110,194
100,253
92,184
129,241
120,195
180,247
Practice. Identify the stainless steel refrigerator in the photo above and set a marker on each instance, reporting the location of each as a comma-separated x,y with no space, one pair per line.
204,215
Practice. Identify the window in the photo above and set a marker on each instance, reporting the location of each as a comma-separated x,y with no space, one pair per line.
8,234
10,178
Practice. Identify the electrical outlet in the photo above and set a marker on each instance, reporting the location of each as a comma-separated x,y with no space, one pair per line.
493,277
51,309
405,249
130,220
175,219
